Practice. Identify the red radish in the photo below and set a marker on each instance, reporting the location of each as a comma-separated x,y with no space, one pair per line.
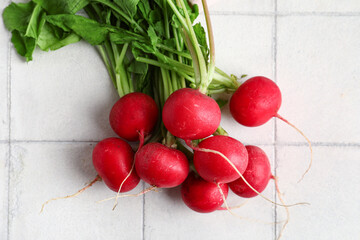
202,196
255,101
214,168
132,114
257,174
161,166
189,114
113,159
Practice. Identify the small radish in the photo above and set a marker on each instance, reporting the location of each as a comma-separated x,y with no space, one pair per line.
256,101
257,174
214,168
161,166
190,114
113,159
133,116
202,196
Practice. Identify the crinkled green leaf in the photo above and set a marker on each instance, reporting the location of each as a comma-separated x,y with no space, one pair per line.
91,31
62,6
128,6
36,22
121,36
25,46
49,38
152,35
17,15
144,8
201,37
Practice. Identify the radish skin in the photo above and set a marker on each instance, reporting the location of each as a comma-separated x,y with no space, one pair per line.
188,114
132,114
161,166
113,159
202,196
213,167
257,174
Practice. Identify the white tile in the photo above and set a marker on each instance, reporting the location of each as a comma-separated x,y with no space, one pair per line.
318,6
319,76
242,6
331,187
4,42
61,95
243,45
41,171
3,190
166,215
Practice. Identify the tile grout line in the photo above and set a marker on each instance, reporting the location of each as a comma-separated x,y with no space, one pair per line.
275,121
282,144
9,136
286,14
143,213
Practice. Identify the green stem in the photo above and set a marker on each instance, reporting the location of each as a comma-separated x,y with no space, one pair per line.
199,55
211,67
107,64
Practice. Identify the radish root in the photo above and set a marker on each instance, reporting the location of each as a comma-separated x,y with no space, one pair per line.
282,201
235,207
97,178
151,188
238,216
189,143
306,138
141,143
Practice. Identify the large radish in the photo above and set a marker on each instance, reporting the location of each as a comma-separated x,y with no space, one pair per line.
190,114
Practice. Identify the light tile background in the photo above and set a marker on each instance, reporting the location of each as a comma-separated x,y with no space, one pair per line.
54,109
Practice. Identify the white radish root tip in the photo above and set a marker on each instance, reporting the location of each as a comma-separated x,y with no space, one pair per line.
287,209
151,188
97,178
306,138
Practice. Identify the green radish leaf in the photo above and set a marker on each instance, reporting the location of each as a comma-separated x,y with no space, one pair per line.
221,102
49,38
91,31
121,36
153,37
16,16
25,46
36,22
62,6
128,6
201,37
144,8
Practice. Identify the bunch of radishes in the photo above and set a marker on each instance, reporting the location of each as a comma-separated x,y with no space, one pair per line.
165,73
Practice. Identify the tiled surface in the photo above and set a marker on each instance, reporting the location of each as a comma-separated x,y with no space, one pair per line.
35,177
240,6
3,189
166,215
4,43
61,95
318,6
318,73
331,188
60,103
